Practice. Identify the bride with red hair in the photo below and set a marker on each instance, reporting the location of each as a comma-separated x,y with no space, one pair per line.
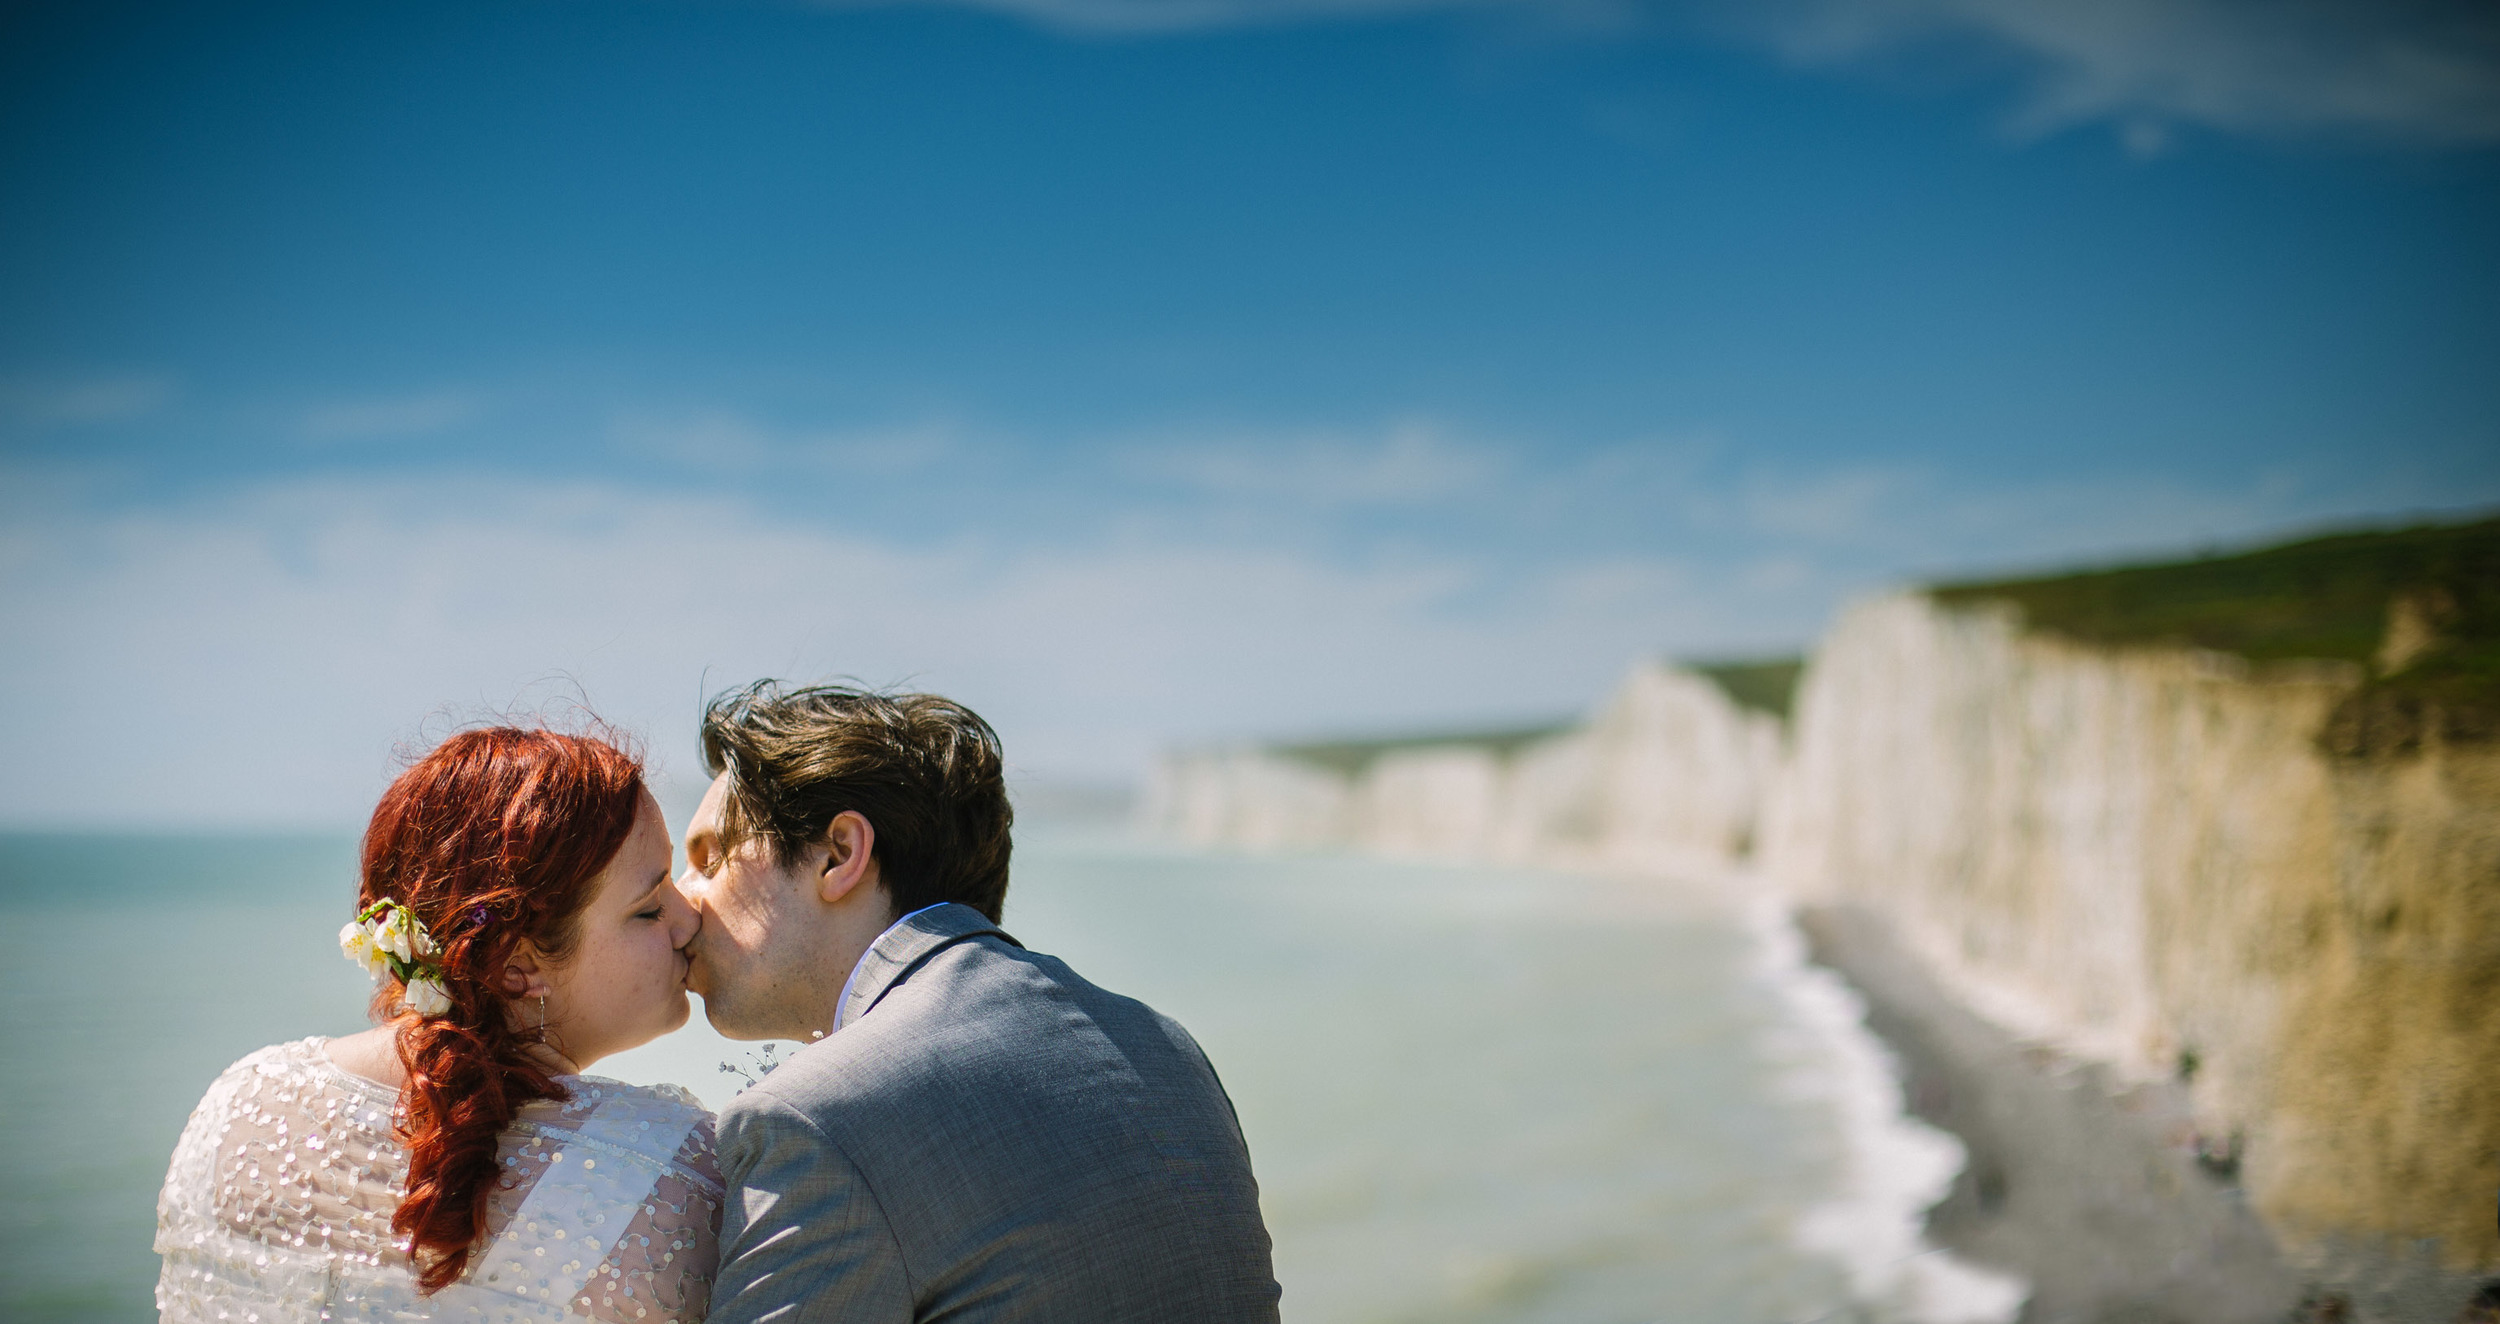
454,1162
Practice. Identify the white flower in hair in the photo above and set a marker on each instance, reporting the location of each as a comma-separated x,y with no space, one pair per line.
425,997
387,939
356,940
397,934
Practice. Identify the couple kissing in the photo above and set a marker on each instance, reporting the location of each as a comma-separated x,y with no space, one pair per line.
969,1132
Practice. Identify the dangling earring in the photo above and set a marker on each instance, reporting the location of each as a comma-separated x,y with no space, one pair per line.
542,1018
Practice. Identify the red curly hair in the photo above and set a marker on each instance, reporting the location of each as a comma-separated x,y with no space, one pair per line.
493,839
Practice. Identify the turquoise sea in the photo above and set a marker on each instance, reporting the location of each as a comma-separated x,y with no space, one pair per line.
1470,1094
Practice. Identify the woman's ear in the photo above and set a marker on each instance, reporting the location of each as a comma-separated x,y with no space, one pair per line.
523,976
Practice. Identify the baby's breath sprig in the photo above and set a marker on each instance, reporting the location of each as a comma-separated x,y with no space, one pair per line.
386,939
756,1067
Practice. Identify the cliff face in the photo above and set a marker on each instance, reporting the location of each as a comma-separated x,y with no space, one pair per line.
2060,830
1246,797
1680,771
2388,1051
2236,821
1668,773
2145,856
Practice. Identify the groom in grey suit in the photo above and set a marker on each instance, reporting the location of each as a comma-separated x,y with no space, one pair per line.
972,1132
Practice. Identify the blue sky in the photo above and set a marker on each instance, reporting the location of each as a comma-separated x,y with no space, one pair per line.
1160,370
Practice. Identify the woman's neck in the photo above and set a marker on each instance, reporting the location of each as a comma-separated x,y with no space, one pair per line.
546,1056
374,1055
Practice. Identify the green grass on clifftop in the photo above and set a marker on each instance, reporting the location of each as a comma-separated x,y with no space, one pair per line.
1767,685
1350,757
2419,608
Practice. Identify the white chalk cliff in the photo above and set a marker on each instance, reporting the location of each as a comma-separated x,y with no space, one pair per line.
1668,773
2146,856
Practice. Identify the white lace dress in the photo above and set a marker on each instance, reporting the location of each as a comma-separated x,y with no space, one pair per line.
278,1205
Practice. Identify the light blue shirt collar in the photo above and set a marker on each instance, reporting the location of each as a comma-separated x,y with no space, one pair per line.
845,1000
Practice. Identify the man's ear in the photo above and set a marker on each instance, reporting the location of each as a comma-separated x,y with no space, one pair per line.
850,857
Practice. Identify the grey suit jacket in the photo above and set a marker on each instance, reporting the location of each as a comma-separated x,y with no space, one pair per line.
986,1136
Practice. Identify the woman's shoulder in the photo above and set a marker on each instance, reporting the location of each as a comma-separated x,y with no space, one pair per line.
647,1102
274,1057
663,1126
283,1078
292,1059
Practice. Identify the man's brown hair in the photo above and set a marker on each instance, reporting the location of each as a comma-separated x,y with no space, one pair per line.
926,772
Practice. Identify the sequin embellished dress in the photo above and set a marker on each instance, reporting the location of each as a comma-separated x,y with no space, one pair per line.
278,1205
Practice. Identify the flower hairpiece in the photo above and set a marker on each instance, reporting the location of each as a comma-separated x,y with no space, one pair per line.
385,938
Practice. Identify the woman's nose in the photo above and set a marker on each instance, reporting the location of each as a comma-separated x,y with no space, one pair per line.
683,916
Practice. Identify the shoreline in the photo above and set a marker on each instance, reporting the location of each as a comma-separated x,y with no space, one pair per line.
2092,1194
2079,1190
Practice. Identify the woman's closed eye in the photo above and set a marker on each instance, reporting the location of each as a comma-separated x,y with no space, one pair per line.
656,900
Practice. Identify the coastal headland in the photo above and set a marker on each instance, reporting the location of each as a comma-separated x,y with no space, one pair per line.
2174,889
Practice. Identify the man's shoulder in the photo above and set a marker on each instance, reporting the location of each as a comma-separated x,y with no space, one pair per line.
767,1104
976,1005
964,990
987,989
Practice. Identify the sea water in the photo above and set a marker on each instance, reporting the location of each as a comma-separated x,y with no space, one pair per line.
1470,1094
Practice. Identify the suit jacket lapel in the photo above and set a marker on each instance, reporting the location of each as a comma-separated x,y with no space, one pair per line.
900,949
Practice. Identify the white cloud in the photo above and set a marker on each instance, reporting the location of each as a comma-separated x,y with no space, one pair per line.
1411,463
84,400
2415,70
255,656
258,657
727,441
2405,70
1842,506
1160,16
391,418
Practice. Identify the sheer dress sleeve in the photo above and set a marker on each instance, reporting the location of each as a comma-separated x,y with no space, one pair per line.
662,1267
278,1205
609,1206
280,1193
660,1270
